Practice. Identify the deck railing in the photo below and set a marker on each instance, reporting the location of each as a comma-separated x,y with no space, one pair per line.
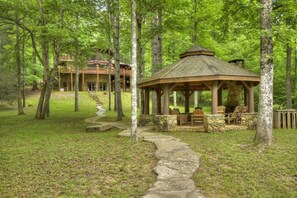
285,119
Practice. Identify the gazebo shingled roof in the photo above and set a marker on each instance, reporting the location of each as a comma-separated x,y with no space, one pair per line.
198,69
201,64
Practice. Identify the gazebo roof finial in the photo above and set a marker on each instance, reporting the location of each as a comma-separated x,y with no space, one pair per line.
197,50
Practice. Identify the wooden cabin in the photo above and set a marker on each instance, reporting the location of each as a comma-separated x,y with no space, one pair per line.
94,76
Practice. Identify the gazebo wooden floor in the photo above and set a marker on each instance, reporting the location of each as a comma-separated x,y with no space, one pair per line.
200,128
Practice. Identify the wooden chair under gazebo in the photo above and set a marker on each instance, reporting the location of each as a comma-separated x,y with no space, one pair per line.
198,70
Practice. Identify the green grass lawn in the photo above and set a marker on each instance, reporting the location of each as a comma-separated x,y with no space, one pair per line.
56,158
112,115
231,166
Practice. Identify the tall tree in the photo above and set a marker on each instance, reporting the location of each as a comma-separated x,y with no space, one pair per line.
140,51
76,85
134,73
23,68
43,103
264,127
289,77
195,39
19,69
114,9
156,48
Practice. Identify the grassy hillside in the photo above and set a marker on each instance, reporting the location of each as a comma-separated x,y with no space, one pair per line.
55,157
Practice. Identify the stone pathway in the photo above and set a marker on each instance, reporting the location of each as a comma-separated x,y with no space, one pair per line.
177,162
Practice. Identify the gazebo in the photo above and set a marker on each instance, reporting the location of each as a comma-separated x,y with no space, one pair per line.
198,69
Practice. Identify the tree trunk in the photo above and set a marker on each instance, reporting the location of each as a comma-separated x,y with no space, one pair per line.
134,74
76,85
195,40
288,77
295,78
24,70
47,95
44,95
77,65
19,71
264,127
115,98
156,50
34,86
76,82
140,61
109,87
117,61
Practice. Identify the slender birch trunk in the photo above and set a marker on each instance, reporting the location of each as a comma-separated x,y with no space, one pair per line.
134,74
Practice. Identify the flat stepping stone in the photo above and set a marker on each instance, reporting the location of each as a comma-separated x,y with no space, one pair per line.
98,128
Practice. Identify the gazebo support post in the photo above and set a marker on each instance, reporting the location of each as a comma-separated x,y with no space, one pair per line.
158,93
249,87
146,101
187,98
220,97
251,98
214,97
166,99
246,96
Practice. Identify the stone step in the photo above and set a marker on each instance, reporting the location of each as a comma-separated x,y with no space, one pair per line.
98,128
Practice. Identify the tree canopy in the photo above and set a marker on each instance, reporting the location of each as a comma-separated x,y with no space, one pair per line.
231,28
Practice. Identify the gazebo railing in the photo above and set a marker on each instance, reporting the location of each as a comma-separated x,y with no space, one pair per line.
285,119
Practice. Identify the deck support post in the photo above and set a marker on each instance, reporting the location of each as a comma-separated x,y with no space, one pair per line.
124,79
214,97
59,78
71,81
83,81
97,78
